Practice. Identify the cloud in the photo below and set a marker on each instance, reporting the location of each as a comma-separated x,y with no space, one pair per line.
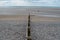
30,3
3,3
14,3
17,3
44,2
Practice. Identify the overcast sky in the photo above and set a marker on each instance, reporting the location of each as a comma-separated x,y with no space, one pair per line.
30,3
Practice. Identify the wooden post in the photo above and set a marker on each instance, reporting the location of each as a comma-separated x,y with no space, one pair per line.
29,34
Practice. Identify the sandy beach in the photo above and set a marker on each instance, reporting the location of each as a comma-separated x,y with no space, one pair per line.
14,17
13,27
36,18
45,28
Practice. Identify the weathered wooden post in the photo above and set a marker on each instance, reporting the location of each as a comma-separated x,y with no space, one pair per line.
29,34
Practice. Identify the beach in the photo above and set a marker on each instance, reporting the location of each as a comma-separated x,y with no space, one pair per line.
45,28
13,27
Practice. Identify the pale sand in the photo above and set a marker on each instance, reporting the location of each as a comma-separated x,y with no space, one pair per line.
14,17
25,17
41,18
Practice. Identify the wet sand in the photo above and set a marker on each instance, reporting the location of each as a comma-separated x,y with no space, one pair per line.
13,27
36,18
45,28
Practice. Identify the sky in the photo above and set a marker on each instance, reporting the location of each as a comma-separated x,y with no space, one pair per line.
30,3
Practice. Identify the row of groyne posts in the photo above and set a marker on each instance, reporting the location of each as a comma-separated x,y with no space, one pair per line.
29,31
